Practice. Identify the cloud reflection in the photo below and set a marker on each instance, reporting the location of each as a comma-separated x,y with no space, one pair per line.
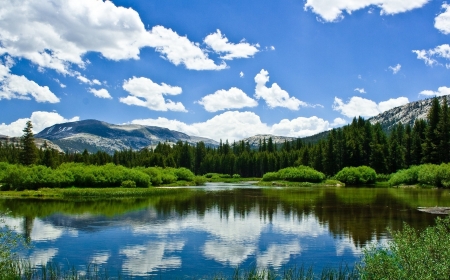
144,259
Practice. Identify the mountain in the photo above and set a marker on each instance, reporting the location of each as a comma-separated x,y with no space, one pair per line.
406,114
254,140
38,141
96,136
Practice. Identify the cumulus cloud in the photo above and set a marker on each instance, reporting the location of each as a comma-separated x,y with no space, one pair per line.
219,43
442,21
19,87
440,92
55,34
39,119
85,80
395,68
274,96
360,90
302,127
144,92
358,106
241,75
234,98
234,125
100,93
429,56
330,10
179,50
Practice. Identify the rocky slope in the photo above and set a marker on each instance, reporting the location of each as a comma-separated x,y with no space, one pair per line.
38,141
406,114
96,136
254,140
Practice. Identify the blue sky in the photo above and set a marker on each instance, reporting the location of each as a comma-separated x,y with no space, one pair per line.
218,69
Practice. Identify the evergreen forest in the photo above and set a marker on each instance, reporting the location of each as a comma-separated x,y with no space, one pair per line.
359,143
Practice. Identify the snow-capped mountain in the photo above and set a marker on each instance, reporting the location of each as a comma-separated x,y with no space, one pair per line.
406,114
96,136
255,140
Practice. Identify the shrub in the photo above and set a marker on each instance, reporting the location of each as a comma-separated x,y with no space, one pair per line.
428,175
357,175
411,254
236,176
301,174
383,177
405,176
184,174
199,180
128,184
271,176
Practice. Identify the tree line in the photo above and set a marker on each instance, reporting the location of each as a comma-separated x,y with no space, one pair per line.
359,143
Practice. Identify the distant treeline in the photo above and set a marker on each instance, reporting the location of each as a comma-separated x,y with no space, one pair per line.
357,144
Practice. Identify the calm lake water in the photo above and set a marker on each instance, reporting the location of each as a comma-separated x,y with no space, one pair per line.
217,228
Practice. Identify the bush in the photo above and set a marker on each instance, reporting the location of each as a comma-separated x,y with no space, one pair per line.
295,174
405,176
236,176
184,174
383,177
357,175
199,180
271,176
428,175
128,184
411,254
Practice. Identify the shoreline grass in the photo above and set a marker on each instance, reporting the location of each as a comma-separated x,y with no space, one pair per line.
57,193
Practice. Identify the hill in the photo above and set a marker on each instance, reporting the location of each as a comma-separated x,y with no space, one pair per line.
95,135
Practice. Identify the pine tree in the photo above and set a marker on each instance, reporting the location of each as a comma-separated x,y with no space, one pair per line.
443,133
28,154
430,147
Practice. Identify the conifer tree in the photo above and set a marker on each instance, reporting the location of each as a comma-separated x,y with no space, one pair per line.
430,147
28,153
443,133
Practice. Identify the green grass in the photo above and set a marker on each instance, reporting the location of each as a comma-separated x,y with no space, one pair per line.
90,192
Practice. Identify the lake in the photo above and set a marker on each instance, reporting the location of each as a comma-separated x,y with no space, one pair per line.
217,228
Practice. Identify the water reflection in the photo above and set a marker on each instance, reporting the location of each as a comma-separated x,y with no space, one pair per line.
201,232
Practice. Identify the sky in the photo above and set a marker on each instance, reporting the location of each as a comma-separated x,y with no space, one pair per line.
218,69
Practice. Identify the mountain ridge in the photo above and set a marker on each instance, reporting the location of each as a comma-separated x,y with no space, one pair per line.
94,135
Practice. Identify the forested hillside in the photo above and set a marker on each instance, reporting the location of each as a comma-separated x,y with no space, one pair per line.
359,143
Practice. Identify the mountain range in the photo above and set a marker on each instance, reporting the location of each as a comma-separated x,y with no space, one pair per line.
94,135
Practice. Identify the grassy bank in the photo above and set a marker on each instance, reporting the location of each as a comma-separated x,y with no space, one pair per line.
91,192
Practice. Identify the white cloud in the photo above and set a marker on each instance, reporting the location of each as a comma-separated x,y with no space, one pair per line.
100,93
234,125
302,127
39,119
428,56
358,106
144,92
19,87
59,83
140,260
442,21
179,50
360,90
56,34
274,96
85,80
219,43
440,92
395,68
241,75
330,10
234,98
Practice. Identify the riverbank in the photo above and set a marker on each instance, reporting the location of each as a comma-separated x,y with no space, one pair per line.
91,192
